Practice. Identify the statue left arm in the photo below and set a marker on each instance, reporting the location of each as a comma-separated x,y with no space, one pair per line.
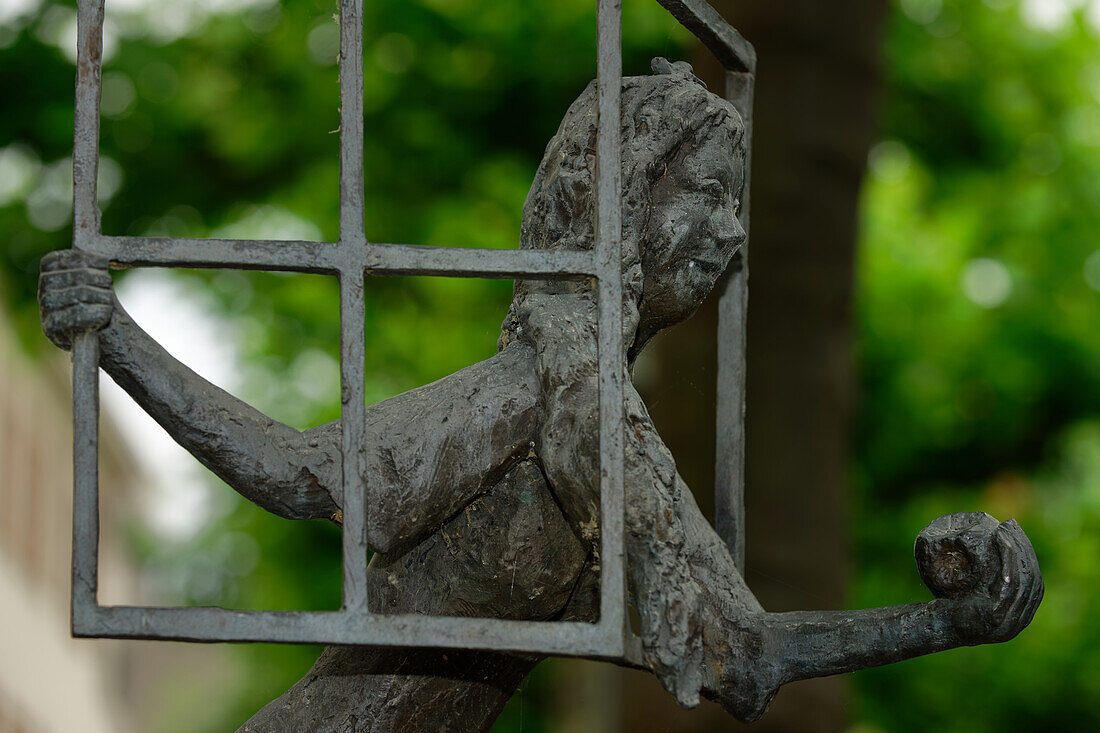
987,584
704,632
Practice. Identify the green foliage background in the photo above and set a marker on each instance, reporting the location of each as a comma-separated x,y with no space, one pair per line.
979,276
979,280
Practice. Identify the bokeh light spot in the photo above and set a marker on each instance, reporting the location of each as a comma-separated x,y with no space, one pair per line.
323,42
889,161
1047,15
19,168
986,282
117,95
922,11
1092,270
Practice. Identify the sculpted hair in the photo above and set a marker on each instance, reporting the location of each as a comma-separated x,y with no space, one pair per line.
660,113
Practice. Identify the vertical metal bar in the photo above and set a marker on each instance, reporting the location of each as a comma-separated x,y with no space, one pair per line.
609,266
86,226
89,52
352,306
85,474
729,469
353,418
351,120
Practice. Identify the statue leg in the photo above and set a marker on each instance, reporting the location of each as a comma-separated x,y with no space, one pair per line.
358,689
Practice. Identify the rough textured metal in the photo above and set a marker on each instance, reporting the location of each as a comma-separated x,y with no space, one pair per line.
351,121
356,514
86,225
326,257
733,307
609,264
85,472
89,56
351,259
540,458
280,256
356,519
720,38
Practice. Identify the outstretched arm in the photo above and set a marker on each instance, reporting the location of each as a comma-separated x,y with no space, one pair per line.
289,473
704,632
428,451
988,586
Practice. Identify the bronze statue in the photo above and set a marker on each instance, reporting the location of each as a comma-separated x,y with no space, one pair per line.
490,477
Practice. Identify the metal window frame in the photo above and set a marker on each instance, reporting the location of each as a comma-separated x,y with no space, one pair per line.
351,259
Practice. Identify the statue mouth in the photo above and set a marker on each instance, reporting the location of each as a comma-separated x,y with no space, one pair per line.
711,268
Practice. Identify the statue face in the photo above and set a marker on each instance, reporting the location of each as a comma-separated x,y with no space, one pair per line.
693,230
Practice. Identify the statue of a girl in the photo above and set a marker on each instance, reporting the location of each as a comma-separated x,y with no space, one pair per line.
489,478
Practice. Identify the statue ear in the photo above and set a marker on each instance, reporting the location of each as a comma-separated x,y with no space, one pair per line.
660,65
663,67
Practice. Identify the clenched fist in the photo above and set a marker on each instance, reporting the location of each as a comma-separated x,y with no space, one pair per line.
986,570
74,295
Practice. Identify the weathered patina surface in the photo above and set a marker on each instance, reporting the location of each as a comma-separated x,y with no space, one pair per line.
490,478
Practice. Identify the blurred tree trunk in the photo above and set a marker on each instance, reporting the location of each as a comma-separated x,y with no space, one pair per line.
816,97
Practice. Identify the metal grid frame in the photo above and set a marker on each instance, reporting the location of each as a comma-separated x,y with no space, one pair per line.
351,259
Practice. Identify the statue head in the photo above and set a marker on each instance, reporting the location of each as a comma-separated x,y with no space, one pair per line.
683,171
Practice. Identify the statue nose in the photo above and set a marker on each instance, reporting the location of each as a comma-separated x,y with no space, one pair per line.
730,232
723,219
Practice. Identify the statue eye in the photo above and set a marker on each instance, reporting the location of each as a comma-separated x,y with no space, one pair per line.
714,187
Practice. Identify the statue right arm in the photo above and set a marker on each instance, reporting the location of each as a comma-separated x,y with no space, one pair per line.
427,452
285,471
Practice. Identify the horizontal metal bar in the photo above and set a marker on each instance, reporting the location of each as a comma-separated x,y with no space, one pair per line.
330,257
411,259
245,254
565,638
712,30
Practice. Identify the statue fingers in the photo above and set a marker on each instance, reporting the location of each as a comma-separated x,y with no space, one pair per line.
1019,566
1034,598
74,294
1020,582
1024,608
1018,614
986,569
71,259
955,556
57,279
74,297
1012,531
60,325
